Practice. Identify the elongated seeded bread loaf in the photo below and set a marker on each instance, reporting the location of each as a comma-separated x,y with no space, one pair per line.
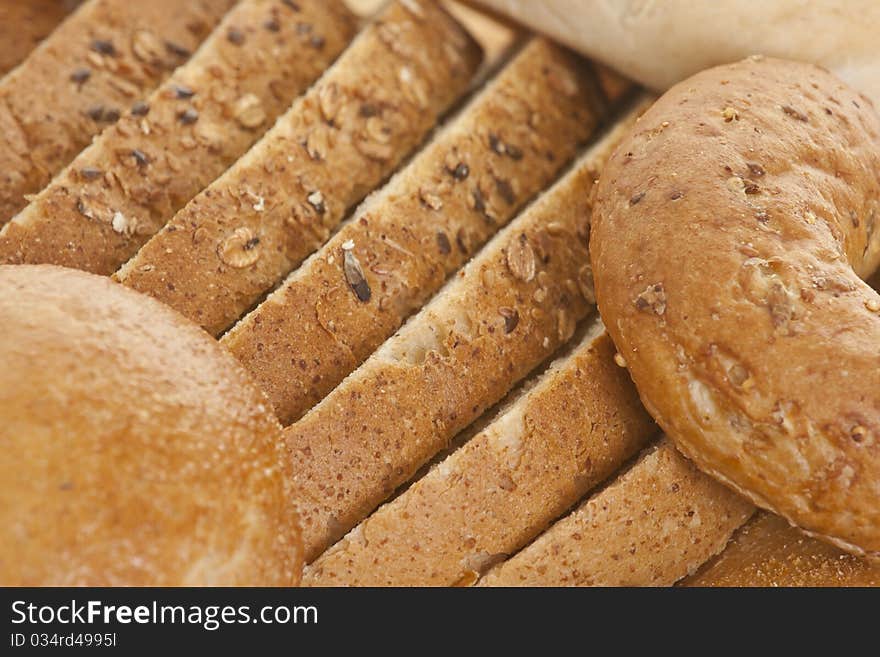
81,79
653,525
570,430
123,188
510,308
245,232
24,23
768,551
409,237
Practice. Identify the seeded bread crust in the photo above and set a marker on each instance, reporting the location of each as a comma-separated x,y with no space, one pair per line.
24,23
106,56
511,307
653,525
136,451
238,238
572,428
731,232
768,551
505,147
123,188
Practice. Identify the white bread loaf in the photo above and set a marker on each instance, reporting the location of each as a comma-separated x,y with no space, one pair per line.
660,43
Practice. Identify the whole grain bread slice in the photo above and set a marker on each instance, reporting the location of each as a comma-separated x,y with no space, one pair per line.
240,236
100,61
504,313
501,150
122,189
569,430
655,524
24,23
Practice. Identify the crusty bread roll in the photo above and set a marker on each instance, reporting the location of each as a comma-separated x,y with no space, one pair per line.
133,450
768,551
24,23
123,188
421,227
105,57
654,524
730,232
660,43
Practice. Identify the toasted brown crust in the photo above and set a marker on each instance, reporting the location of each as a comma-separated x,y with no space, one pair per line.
768,551
652,526
570,430
730,232
511,307
83,77
471,180
24,23
239,237
122,189
135,451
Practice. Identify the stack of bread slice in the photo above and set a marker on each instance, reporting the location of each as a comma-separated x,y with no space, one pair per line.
385,218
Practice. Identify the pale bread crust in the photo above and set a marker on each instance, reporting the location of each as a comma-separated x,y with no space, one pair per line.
409,237
661,43
729,232
653,525
24,23
509,309
96,214
574,426
138,452
768,551
83,77
238,238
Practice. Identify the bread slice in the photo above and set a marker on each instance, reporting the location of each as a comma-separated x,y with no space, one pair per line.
99,62
653,525
768,551
123,188
503,148
24,23
509,309
239,237
573,427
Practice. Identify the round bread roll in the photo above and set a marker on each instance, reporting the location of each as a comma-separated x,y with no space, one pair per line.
133,449
729,236
660,43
